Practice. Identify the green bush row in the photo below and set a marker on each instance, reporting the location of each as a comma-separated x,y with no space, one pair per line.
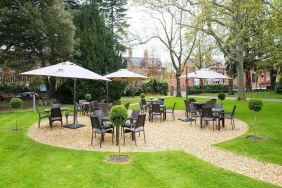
14,88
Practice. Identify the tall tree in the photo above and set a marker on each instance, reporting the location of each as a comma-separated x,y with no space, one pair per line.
35,32
170,30
96,50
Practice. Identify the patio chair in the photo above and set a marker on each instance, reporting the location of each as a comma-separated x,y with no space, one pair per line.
41,115
56,115
218,106
136,127
97,128
170,110
155,111
144,104
194,113
134,115
142,108
93,106
230,115
207,116
72,113
104,120
127,105
83,108
210,104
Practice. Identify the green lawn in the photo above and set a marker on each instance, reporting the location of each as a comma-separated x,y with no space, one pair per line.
26,163
268,125
266,94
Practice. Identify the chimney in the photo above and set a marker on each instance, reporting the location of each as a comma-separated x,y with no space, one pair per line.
146,56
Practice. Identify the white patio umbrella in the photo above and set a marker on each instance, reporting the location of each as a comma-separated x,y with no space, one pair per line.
67,70
124,75
200,74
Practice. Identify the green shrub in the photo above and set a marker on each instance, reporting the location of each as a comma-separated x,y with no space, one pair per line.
279,86
142,95
88,97
16,102
118,115
255,105
221,96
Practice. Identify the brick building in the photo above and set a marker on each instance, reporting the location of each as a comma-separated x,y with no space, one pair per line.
147,66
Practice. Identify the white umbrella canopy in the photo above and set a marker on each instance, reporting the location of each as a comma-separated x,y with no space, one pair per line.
125,75
205,74
66,70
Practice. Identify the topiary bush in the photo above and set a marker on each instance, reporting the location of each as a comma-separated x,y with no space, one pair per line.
118,116
16,102
256,106
142,95
221,97
88,97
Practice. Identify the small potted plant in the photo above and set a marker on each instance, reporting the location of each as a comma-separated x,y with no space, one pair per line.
142,95
88,97
256,106
16,103
221,97
118,116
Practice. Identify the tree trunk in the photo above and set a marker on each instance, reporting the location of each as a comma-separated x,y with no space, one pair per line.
117,135
248,80
178,88
240,73
230,87
273,75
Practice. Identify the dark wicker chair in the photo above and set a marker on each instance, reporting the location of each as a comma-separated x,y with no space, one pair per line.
194,113
105,122
155,111
136,127
116,102
161,101
41,115
56,115
170,110
105,107
210,104
230,115
97,128
207,116
144,104
134,115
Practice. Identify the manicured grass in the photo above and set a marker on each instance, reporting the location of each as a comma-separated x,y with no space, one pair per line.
254,94
26,163
268,125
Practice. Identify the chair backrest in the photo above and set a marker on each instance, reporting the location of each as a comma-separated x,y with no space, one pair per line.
116,102
56,112
192,100
105,107
156,108
127,105
207,112
100,114
92,106
233,111
143,101
161,101
140,122
173,107
192,107
135,113
56,106
95,122
81,101
218,106
210,104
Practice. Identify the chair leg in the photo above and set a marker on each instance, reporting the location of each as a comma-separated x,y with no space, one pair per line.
144,137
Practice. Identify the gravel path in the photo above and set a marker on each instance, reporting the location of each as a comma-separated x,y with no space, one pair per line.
165,136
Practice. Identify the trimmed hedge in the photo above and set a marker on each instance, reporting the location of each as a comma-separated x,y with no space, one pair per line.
14,88
16,102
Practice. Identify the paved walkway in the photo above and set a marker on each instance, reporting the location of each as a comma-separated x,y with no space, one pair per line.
234,98
166,136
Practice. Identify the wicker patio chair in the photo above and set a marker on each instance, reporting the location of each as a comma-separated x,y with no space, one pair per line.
41,115
56,115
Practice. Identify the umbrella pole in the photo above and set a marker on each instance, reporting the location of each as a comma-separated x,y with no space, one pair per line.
186,83
74,98
107,90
